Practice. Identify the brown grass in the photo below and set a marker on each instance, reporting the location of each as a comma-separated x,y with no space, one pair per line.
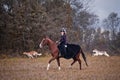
100,68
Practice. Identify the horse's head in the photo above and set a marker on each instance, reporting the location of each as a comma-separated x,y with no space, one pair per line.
44,42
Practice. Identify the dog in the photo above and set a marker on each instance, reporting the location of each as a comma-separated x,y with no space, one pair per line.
31,54
97,53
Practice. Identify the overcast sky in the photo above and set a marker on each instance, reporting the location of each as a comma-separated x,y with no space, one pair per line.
104,7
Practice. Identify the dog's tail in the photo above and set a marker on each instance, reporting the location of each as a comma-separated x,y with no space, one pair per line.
39,54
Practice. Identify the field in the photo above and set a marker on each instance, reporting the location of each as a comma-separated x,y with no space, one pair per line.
100,68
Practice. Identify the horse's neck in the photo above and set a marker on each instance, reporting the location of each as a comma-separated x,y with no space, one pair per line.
53,47
51,43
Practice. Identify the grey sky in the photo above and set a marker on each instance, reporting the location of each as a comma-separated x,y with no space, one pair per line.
104,7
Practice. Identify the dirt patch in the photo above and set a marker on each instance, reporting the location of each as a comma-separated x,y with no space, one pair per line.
100,68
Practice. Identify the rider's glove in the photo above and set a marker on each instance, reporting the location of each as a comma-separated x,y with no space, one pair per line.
65,45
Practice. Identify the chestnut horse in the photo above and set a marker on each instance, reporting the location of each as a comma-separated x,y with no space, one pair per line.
55,53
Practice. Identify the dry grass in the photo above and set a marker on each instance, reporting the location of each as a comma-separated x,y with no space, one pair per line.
100,68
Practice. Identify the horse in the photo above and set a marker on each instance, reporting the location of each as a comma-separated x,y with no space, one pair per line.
55,53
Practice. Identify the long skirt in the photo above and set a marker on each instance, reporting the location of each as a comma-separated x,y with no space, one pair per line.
69,51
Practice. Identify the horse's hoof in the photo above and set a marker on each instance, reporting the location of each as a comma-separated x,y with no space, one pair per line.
59,68
47,69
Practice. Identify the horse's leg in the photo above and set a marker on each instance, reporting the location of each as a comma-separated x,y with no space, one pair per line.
58,62
74,60
48,66
78,59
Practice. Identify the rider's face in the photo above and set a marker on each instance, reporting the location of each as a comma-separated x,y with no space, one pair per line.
62,33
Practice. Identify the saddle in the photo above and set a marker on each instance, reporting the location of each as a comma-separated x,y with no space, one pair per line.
68,52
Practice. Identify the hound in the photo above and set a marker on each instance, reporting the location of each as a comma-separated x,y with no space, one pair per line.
97,53
31,54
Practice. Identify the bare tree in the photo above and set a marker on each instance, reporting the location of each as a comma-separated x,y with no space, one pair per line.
112,23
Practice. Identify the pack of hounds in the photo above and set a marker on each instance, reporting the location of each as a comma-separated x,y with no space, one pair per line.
96,52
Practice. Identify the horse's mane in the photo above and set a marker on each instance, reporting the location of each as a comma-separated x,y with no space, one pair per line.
50,39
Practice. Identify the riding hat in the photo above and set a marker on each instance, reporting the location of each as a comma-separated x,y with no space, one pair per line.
63,30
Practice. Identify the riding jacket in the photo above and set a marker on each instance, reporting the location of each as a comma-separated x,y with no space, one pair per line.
63,40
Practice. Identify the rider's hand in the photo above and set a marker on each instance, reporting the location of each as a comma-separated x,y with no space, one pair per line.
65,45
57,42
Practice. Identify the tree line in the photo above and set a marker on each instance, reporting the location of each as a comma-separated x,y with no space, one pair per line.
23,24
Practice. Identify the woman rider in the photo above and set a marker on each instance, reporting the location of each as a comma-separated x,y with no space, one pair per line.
63,44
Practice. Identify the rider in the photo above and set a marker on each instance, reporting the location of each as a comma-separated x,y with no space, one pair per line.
63,44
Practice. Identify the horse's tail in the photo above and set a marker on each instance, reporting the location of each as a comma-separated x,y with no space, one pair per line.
84,57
